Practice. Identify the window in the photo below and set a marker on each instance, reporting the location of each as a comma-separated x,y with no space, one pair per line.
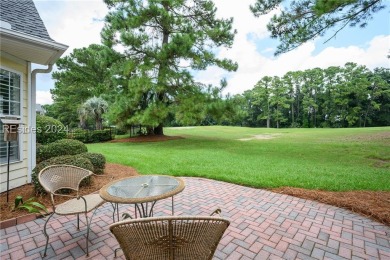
9,107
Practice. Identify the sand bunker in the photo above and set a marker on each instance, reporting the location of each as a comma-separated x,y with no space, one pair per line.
260,137
183,127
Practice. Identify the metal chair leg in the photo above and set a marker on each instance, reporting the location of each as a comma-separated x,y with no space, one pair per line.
115,251
78,221
113,211
89,227
88,224
117,211
45,233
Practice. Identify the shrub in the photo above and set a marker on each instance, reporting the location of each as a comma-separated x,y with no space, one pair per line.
49,130
60,147
75,160
100,136
91,136
121,131
98,161
78,134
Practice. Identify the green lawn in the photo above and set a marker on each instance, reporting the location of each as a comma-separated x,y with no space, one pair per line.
328,159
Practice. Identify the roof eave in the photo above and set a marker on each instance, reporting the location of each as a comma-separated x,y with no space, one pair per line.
21,45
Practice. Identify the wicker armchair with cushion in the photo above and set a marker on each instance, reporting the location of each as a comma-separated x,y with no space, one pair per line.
56,177
176,238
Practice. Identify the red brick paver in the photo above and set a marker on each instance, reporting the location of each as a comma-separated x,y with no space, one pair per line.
264,225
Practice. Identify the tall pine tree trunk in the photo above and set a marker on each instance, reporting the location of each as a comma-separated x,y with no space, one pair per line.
292,115
159,130
268,118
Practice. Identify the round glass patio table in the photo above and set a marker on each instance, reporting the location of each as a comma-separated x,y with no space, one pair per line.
143,191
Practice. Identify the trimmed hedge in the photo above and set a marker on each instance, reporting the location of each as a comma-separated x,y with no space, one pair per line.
49,130
121,131
91,136
75,160
98,161
60,147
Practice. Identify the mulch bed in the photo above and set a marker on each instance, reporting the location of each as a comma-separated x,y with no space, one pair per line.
111,172
372,204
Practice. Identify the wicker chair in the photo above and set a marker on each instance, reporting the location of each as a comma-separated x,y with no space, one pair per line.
57,177
170,237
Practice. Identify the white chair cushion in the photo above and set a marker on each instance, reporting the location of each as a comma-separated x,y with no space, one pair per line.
75,206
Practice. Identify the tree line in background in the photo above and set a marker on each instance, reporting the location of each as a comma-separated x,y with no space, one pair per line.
142,74
348,96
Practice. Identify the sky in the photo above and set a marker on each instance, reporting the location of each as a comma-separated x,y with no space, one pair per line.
77,23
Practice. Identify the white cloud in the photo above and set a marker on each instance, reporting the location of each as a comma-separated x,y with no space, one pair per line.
244,21
243,50
372,55
253,65
212,75
74,23
44,97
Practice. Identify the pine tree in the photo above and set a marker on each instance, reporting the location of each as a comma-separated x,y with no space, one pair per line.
164,42
304,20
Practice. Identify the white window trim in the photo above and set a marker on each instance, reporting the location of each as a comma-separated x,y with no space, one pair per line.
20,139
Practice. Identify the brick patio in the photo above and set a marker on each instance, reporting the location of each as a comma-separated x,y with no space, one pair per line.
264,225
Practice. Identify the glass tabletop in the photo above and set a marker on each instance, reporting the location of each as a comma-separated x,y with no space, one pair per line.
142,188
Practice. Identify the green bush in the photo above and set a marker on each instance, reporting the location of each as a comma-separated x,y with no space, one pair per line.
121,131
75,160
100,136
79,134
91,136
60,147
49,130
98,161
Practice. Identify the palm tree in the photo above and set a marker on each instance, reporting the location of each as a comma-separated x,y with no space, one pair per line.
95,107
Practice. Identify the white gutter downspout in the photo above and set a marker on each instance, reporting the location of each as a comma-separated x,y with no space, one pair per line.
33,117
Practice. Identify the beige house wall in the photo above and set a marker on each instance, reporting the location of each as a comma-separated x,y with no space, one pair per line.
18,170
